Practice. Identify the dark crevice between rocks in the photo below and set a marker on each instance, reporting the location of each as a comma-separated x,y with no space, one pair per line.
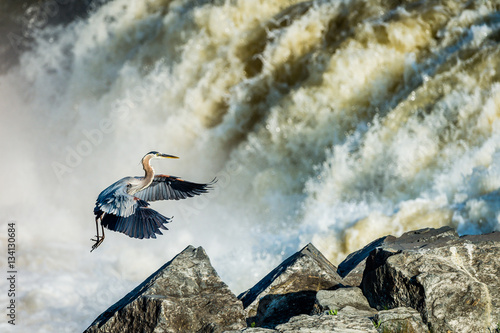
279,308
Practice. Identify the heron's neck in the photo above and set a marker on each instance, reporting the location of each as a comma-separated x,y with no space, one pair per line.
149,173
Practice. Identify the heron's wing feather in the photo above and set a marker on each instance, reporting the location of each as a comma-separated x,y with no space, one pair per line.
172,188
115,200
144,223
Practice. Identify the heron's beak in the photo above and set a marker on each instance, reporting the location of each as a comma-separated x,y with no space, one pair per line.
167,156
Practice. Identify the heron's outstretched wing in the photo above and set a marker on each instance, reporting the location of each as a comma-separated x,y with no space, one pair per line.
172,188
144,223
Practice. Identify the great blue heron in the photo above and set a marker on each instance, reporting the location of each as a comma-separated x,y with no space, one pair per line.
123,206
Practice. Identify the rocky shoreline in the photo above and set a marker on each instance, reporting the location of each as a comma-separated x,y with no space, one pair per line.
428,280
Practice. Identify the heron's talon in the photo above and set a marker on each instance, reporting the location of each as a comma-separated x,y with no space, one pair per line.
97,241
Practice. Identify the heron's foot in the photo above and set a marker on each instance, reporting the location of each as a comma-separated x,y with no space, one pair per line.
98,240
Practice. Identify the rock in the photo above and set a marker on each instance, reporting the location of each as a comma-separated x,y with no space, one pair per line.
347,320
425,280
352,268
185,295
253,330
340,298
290,282
452,282
400,320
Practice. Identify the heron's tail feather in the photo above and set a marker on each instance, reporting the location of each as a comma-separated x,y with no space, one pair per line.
144,223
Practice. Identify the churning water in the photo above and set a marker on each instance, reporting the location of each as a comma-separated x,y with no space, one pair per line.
332,122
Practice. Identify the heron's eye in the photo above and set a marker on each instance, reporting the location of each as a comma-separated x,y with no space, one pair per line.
128,185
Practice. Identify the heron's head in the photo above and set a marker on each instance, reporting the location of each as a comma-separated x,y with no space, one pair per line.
155,154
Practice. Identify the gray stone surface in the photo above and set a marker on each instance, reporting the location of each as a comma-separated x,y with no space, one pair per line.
452,282
348,320
400,320
306,270
340,298
352,268
185,295
253,330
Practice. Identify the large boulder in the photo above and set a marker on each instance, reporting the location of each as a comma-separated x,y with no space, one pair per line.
290,289
353,266
185,295
451,281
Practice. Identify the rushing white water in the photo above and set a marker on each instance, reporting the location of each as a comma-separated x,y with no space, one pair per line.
332,122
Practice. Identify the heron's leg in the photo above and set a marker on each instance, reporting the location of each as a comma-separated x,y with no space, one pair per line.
96,230
97,227
102,230
98,240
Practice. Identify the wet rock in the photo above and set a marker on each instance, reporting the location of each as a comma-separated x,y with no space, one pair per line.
286,291
185,295
400,320
452,282
340,298
352,268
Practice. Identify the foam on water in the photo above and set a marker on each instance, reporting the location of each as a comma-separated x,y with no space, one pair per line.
326,121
